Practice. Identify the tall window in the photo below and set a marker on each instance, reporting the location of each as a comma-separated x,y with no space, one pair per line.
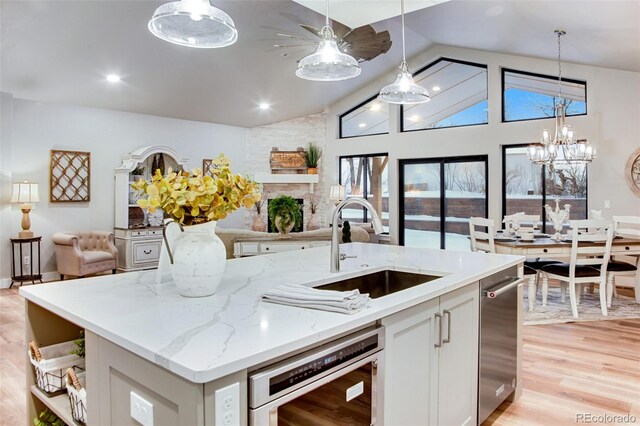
458,93
366,176
439,196
369,118
528,96
527,187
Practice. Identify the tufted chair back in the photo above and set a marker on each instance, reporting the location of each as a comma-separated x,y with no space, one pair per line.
83,253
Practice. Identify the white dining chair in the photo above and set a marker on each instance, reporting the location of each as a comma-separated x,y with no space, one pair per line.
624,227
588,260
527,223
482,232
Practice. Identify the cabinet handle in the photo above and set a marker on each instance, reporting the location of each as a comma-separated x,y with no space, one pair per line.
627,248
545,250
147,251
438,316
447,314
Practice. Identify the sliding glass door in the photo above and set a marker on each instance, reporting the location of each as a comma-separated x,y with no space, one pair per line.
439,197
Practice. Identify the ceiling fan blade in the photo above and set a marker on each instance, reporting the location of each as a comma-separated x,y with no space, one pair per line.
367,45
297,37
339,29
312,30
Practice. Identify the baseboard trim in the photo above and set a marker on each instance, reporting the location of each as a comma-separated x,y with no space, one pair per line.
46,276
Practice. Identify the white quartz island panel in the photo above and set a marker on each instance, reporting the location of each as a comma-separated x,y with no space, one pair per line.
204,339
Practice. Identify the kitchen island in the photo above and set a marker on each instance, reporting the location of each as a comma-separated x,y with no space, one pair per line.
176,352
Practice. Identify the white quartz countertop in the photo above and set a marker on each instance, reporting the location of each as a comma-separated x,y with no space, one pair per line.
207,338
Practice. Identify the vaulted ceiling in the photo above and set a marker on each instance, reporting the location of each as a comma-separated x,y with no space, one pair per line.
60,51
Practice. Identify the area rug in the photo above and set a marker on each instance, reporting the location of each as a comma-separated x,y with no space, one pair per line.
588,310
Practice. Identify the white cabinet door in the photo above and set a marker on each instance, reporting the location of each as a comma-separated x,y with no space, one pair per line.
458,358
411,380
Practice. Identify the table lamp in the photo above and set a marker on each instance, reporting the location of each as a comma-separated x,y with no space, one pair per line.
25,193
337,193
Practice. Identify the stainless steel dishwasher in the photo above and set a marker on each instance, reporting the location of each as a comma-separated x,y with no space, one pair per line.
498,340
339,383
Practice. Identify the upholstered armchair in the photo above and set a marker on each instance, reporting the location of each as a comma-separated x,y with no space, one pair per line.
85,253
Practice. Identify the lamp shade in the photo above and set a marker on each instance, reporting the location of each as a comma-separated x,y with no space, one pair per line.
328,63
404,90
193,23
25,192
337,192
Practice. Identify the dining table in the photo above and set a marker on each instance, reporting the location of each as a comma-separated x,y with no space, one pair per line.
547,247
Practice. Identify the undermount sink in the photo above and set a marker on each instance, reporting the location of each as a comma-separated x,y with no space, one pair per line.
379,284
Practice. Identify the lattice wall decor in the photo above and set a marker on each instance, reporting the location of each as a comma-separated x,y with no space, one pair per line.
207,167
70,177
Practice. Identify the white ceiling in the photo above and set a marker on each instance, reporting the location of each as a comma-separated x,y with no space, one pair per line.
60,51
356,13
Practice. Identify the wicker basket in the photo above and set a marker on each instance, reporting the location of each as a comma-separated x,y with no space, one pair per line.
51,363
77,395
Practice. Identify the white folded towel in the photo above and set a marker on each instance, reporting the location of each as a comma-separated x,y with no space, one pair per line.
346,302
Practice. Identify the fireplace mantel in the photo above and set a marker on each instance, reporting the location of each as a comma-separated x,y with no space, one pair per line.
287,179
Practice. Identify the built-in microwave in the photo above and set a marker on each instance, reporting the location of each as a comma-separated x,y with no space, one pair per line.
340,382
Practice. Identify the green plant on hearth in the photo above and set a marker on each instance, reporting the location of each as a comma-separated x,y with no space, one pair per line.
312,155
287,209
79,350
48,418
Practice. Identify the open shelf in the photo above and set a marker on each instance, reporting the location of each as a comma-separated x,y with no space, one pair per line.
58,404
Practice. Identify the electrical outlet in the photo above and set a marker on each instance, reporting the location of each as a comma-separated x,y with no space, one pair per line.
228,405
141,410
27,260
607,204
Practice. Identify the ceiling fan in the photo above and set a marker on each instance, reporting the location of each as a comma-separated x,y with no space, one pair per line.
363,43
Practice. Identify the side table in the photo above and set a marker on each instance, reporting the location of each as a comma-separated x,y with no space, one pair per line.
18,246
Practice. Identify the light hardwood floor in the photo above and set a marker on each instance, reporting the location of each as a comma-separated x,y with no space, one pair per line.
568,369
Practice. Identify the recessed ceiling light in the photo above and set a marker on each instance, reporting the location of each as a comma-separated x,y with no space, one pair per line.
362,125
414,117
113,78
264,106
436,88
375,107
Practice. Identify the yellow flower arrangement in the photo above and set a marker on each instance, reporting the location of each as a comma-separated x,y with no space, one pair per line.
191,198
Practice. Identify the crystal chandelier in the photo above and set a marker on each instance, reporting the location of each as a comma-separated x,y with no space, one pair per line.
560,147
193,23
403,90
328,63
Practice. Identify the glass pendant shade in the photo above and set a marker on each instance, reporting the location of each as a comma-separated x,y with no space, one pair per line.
328,63
404,90
193,23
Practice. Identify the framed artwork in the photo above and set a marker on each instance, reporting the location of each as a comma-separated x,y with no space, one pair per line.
207,167
288,160
70,177
632,172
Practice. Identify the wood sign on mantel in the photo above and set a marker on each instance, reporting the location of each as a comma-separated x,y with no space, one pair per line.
288,161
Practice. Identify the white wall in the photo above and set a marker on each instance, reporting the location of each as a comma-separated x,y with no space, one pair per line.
612,125
35,128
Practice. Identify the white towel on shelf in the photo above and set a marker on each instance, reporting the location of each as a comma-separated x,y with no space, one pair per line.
346,302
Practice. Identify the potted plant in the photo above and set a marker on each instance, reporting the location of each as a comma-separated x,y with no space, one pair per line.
285,213
195,203
312,156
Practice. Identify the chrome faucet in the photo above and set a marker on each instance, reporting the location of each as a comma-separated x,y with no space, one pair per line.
335,242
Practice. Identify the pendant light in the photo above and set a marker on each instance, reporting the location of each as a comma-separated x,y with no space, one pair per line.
328,63
193,23
560,146
404,90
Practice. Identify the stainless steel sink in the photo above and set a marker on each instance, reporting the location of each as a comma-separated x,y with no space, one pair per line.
379,284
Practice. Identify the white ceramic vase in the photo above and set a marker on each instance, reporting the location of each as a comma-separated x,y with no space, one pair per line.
198,259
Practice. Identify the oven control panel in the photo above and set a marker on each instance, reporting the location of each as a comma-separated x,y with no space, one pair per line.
312,368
